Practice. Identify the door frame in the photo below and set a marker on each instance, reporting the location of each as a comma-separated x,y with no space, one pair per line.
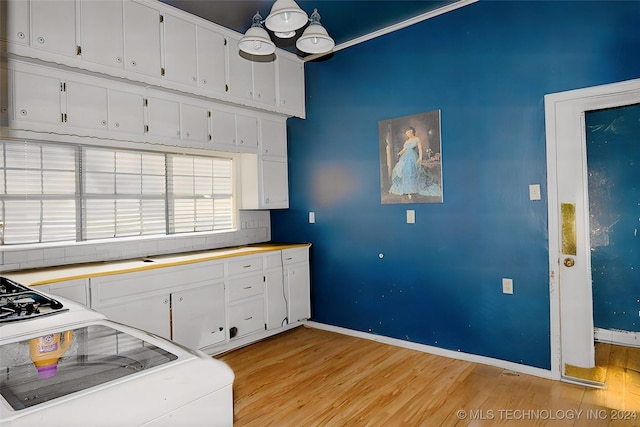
565,136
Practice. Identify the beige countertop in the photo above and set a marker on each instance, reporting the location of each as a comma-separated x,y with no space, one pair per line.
43,276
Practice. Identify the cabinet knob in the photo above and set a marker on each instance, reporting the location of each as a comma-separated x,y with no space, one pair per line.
133,63
165,301
23,112
103,122
180,299
116,124
194,79
21,35
41,40
204,81
118,59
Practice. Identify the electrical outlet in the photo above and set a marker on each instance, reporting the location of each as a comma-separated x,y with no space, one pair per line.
534,192
507,286
312,217
411,216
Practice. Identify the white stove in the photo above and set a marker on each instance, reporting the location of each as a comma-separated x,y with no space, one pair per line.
64,364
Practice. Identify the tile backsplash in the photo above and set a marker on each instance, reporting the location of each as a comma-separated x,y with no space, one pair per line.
253,227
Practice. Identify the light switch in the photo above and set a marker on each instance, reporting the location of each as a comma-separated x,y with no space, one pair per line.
312,217
411,216
534,192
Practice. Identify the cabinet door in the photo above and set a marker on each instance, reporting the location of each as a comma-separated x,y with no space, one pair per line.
297,277
74,290
126,112
273,138
275,185
291,85
142,38
240,73
101,32
264,82
180,50
212,62
16,23
199,316
86,106
195,123
151,314
246,131
164,118
53,26
37,98
223,127
275,299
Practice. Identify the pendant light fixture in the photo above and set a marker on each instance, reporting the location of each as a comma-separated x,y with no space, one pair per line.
284,20
256,40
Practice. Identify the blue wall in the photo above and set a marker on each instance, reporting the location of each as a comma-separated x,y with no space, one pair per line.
487,67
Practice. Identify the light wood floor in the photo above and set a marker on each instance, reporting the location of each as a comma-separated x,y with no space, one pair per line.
310,377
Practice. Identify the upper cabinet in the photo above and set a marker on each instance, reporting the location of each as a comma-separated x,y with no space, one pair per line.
153,43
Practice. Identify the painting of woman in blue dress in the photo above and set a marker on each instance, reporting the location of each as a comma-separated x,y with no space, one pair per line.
413,172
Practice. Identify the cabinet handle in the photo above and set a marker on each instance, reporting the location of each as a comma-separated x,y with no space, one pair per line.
248,318
246,266
247,287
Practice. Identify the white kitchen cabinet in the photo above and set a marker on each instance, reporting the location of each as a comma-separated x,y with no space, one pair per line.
195,123
223,128
53,26
198,316
180,50
246,317
163,118
264,81
126,112
36,98
265,182
247,131
245,284
297,283
274,294
273,138
15,23
251,78
142,39
75,290
86,106
98,18
151,313
212,60
290,85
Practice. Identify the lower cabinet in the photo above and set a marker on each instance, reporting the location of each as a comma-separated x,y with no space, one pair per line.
198,316
75,290
296,275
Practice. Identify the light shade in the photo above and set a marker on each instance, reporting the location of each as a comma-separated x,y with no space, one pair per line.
315,38
256,40
285,17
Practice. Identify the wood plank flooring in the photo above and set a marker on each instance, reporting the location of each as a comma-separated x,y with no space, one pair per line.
311,377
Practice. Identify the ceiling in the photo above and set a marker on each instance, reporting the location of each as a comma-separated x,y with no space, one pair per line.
345,20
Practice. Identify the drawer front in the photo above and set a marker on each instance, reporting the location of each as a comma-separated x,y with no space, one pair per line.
245,264
246,317
273,260
245,287
292,256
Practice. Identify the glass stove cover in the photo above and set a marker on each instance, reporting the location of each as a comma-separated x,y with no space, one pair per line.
55,365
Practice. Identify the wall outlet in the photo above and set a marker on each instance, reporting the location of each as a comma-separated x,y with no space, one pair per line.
411,216
312,217
534,192
507,286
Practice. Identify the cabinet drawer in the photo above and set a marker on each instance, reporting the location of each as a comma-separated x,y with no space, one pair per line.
246,287
292,256
246,317
273,260
245,264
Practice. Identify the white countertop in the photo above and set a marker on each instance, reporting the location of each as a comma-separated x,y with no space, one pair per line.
42,276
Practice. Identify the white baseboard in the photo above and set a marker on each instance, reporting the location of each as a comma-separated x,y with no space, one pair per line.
511,366
616,336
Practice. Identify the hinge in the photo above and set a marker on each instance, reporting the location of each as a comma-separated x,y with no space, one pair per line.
161,18
265,326
208,113
226,88
225,41
63,117
162,71
63,87
209,137
146,128
145,102
78,50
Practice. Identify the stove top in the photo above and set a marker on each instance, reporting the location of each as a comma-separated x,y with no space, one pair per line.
18,302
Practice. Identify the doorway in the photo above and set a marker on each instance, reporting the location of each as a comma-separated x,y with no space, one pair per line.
570,272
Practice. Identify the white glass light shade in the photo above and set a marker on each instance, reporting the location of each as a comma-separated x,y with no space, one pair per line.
285,17
315,39
256,41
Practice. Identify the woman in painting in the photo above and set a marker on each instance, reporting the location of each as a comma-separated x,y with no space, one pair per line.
408,175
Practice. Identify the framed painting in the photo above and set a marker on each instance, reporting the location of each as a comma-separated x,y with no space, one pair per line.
411,159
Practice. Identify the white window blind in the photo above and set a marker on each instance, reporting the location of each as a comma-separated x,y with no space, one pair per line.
201,196
38,193
55,192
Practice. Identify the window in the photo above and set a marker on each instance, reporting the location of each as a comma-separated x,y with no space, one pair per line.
56,192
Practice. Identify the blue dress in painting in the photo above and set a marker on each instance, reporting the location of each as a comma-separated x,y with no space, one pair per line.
409,176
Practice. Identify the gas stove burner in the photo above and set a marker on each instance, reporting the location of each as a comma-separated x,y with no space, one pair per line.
18,302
